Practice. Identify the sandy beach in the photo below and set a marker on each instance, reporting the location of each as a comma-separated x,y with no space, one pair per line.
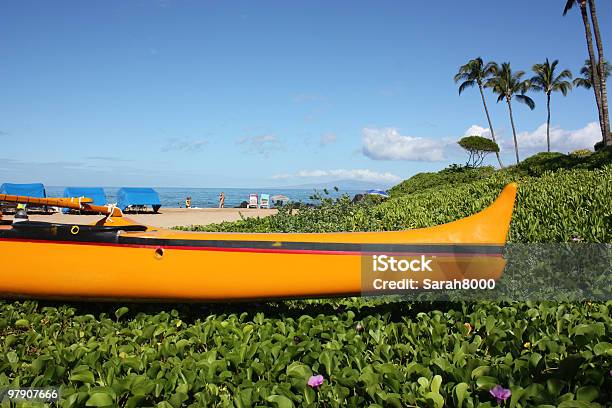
166,218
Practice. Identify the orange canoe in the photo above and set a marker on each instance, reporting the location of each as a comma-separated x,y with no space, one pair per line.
116,259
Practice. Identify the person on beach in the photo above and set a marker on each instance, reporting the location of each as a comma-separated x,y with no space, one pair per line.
222,200
188,202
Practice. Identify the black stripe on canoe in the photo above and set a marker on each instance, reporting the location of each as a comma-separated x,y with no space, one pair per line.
315,246
109,235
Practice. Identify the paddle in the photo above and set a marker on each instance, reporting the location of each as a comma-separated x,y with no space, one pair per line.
74,203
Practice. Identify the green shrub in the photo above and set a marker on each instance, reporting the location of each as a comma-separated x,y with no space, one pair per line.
582,153
451,176
556,207
478,148
537,164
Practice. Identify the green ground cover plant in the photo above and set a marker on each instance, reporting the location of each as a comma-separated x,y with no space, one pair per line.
370,353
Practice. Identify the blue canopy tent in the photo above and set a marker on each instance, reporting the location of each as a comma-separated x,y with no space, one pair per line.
95,193
31,190
137,197
381,193
36,190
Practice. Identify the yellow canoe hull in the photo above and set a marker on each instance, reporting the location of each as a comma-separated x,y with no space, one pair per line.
176,265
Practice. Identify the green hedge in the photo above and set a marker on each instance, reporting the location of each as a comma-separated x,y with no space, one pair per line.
556,207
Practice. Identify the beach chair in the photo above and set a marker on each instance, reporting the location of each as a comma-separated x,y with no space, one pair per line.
253,202
264,201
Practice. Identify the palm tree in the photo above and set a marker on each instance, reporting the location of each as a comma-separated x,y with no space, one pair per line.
546,81
601,73
507,84
585,81
475,72
594,74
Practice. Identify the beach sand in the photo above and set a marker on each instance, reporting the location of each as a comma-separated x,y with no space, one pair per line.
166,218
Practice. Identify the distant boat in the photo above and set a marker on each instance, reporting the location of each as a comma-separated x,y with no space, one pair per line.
116,258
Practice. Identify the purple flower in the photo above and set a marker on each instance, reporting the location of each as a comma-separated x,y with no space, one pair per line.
500,393
315,381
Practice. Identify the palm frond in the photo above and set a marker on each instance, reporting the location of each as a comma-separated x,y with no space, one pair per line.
491,68
526,100
564,74
583,83
545,80
568,5
465,85
460,76
563,86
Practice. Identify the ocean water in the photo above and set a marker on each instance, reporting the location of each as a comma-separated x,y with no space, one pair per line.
209,197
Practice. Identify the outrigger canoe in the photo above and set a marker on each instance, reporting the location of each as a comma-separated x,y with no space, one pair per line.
117,258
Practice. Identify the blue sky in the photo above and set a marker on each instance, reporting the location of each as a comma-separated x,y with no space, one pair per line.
269,93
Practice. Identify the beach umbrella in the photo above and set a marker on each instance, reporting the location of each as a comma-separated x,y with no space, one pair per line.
381,193
279,197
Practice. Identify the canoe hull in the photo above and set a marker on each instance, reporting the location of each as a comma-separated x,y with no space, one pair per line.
63,261
92,271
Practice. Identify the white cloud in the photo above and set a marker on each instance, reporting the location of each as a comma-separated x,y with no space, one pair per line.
389,144
184,144
344,174
328,138
262,144
476,130
560,139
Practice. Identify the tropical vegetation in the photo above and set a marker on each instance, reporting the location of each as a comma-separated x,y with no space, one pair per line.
509,85
476,72
478,148
597,64
586,81
547,81
348,352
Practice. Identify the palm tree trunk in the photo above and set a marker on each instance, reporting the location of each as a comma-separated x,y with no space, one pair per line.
513,131
548,122
602,76
484,102
594,65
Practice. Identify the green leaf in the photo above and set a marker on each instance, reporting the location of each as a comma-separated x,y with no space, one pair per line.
22,324
578,404
437,399
486,383
299,370
121,311
587,394
12,357
603,348
460,392
280,400
435,384
480,371
99,399
83,375
326,358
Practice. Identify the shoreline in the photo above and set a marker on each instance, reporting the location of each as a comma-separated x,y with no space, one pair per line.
166,218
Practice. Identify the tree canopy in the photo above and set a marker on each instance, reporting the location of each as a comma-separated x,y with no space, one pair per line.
478,148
